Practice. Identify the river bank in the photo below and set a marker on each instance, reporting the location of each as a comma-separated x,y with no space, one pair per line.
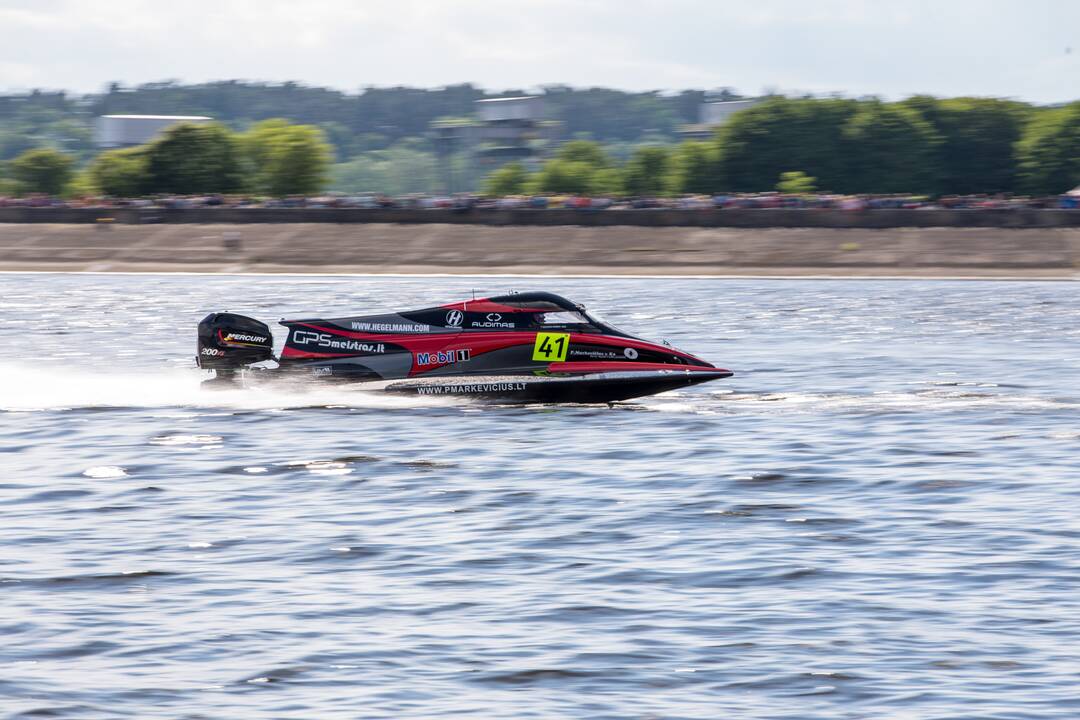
568,250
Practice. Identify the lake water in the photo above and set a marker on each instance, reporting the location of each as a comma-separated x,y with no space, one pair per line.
878,516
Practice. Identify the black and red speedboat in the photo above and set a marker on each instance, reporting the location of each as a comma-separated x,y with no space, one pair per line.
523,347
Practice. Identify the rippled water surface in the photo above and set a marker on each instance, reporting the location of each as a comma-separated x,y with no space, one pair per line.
877,517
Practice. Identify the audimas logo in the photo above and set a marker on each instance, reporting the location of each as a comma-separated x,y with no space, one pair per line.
454,318
492,320
447,357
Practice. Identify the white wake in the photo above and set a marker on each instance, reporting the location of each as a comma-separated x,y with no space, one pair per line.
41,387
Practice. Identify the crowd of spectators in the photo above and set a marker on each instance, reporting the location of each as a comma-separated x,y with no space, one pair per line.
465,202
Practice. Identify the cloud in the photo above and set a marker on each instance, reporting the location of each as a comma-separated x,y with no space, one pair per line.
948,47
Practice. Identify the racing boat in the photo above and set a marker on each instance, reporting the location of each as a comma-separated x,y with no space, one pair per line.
522,347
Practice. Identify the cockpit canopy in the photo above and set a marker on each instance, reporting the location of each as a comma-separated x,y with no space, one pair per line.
556,312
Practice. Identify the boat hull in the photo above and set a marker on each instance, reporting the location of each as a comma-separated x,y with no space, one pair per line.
600,387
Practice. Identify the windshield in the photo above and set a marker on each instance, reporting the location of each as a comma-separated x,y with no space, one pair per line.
604,325
579,320
563,317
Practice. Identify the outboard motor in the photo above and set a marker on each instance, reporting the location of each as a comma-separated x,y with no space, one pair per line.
229,342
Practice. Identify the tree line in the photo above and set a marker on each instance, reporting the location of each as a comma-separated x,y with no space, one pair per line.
922,145
273,157
371,119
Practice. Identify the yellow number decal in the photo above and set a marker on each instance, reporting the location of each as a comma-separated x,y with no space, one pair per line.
551,347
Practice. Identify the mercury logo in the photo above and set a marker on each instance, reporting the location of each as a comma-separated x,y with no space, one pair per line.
454,318
243,338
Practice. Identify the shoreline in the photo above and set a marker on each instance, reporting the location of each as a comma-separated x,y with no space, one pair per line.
787,273
454,250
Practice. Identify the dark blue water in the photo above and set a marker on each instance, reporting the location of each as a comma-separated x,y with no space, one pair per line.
878,517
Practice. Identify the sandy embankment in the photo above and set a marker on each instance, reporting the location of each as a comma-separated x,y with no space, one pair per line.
475,249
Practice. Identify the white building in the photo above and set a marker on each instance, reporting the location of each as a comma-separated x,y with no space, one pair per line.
714,114
120,131
503,130
528,108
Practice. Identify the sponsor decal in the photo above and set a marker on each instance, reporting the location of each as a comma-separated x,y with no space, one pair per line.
324,370
630,353
332,342
390,327
454,318
212,352
447,357
594,354
493,320
241,338
500,387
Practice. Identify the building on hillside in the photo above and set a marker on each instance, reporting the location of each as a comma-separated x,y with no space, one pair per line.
714,114
524,109
502,130
121,131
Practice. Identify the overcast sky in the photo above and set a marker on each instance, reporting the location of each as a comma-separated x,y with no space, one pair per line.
1026,49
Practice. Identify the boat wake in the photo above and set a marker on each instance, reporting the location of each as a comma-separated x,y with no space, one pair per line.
26,388
919,399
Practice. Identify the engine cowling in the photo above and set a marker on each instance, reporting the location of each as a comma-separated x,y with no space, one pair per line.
228,342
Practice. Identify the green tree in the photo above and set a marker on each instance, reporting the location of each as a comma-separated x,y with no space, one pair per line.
398,170
257,146
646,172
564,176
612,114
43,170
580,167
510,179
190,159
978,141
7,185
759,143
340,139
694,168
584,151
16,139
287,159
1049,153
606,181
892,150
300,162
796,183
81,185
121,173
71,135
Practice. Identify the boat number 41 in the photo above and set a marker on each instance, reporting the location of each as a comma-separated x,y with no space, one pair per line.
551,347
